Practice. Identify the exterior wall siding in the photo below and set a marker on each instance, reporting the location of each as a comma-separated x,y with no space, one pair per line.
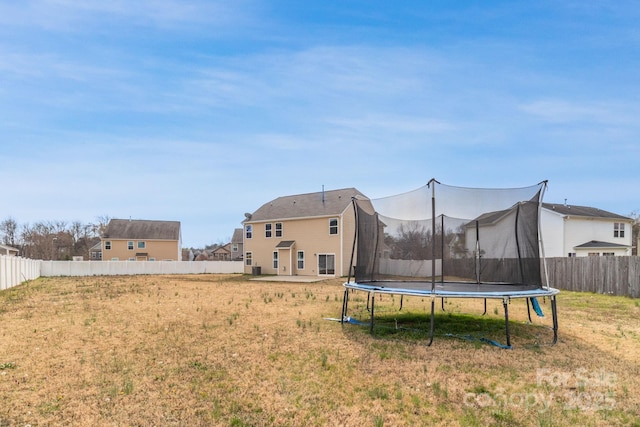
598,229
160,250
552,226
561,235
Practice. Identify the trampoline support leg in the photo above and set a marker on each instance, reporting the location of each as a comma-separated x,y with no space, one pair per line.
485,307
368,301
554,312
433,305
345,303
373,299
401,298
528,310
442,303
505,302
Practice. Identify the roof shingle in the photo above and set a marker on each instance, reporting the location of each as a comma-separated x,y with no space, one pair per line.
142,229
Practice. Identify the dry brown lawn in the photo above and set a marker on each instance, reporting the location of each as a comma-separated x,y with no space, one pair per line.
207,350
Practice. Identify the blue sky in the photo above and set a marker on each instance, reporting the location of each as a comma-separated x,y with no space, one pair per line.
199,111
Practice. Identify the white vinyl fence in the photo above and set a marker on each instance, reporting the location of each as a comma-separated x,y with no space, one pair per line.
16,270
115,268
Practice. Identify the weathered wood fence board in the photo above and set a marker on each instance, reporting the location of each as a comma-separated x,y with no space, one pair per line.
603,275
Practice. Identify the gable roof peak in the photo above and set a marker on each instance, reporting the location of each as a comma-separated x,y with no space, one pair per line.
321,203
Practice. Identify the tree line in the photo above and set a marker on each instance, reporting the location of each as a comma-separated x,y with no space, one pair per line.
52,240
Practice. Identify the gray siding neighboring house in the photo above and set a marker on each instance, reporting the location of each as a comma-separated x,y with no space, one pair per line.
237,248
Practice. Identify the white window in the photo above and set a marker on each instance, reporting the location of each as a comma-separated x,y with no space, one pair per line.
333,226
300,260
130,246
248,232
267,230
132,259
142,245
248,257
278,229
618,229
275,259
107,245
608,254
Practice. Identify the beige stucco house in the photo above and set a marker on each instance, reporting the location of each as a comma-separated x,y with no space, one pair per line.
141,240
305,234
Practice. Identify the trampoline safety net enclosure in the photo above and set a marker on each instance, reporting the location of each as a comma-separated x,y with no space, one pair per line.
446,241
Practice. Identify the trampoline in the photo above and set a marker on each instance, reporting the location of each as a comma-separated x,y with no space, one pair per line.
441,241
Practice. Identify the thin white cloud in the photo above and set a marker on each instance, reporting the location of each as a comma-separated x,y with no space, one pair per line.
563,111
81,15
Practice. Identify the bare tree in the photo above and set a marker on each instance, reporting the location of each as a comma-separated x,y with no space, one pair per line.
9,231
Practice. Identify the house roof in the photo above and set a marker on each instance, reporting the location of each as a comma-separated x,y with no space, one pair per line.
237,236
586,211
221,249
8,249
324,203
598,244
286,244
572,210
142,229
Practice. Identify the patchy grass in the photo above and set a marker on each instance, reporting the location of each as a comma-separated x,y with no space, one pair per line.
208,350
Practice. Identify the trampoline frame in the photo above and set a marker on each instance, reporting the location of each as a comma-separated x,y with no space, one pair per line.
425,290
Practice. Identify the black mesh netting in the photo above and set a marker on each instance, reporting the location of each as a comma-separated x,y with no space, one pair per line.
451,234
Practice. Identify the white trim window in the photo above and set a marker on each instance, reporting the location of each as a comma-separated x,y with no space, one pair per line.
130,245
107,245
275,260
248,232
300,259
278,229
268,230
618,229
142,245
248,258
333,226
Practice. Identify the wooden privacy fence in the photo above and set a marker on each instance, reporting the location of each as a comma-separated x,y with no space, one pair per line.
611,275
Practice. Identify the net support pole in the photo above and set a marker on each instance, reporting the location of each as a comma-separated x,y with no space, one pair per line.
540,240
477,252
433,239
